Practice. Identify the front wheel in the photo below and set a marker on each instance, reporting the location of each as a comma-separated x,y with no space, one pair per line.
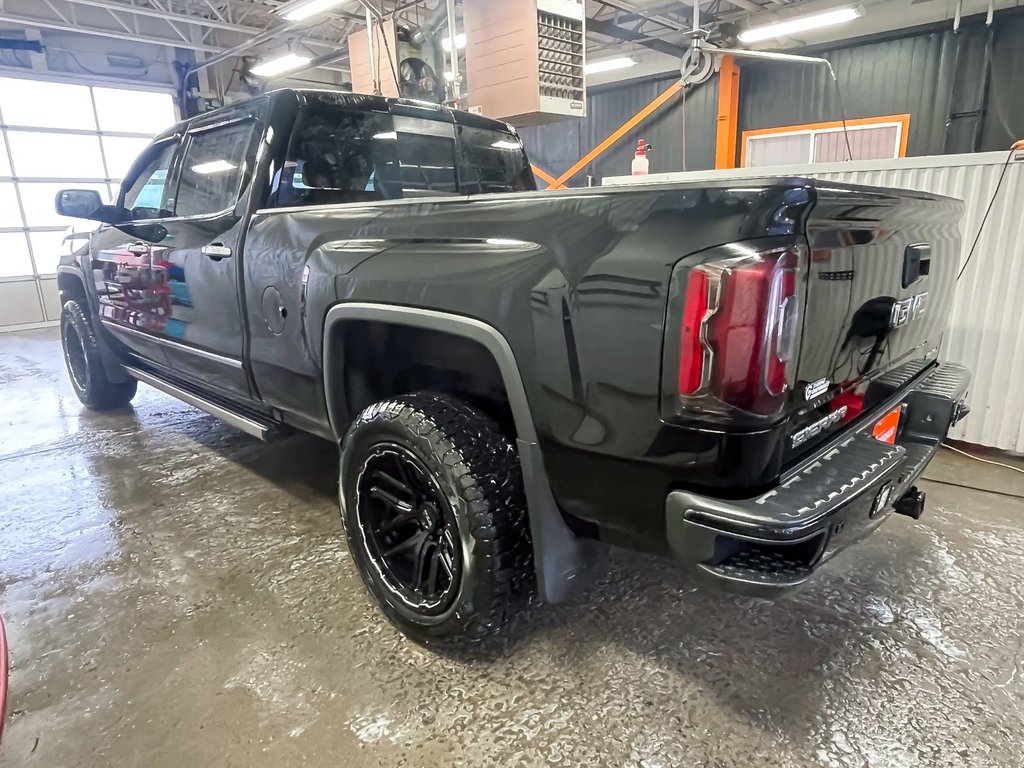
432,499
85,363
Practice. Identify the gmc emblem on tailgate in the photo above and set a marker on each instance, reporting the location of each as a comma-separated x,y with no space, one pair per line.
908,309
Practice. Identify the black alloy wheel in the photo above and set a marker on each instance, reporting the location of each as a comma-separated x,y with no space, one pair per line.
435,516
409,529
84,360
74,358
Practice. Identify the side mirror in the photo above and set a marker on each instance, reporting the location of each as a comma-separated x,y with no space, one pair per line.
79,204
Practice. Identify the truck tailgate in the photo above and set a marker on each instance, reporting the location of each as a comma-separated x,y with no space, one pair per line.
882,271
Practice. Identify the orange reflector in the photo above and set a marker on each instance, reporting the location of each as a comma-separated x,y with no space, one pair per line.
885,428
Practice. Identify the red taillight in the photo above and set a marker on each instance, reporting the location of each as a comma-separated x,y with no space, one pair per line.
738,334
691,350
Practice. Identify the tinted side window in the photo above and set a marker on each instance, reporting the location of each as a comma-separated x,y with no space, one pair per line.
491,161
146,194
426,154
338,156
211,170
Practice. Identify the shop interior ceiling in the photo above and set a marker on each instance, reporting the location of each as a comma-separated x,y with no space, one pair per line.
654,32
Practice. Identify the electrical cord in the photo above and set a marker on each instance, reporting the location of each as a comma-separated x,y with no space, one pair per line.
231,79
983,461
842,110
991,203
391,59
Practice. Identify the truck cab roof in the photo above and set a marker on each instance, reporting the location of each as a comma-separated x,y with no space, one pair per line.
362,101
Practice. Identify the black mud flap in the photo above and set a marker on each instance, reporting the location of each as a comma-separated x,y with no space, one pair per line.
565,564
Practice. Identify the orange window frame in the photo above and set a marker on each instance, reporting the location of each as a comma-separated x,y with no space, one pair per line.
902,120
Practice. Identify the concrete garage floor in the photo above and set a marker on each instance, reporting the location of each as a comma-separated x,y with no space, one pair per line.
177,594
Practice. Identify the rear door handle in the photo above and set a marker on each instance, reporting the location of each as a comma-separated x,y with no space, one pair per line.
216,251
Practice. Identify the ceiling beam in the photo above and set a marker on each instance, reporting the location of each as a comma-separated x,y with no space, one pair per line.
116,34
639,13
171,17
603,27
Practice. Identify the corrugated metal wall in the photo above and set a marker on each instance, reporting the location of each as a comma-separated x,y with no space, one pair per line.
911,75
1004,121
922,74
936,77
986,329
557,146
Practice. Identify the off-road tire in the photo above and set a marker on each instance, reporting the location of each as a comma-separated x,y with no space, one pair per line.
84,361
477,470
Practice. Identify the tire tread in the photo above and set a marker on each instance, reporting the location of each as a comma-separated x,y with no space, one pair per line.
489,482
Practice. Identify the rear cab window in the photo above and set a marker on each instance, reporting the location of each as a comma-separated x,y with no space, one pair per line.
343,154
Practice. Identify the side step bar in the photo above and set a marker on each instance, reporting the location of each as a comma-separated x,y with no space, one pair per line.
261,429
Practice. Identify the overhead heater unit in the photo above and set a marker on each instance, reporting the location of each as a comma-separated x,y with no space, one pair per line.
374,63
525,59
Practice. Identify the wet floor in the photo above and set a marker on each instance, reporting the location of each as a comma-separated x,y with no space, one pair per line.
178,594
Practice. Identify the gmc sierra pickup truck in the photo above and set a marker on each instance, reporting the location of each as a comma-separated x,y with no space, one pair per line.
740,375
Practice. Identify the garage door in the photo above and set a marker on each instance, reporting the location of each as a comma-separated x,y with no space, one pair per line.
53,135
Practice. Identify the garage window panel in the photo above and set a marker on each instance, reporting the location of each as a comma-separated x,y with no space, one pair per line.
15,260
37,198
142,112
44,104
56,155
120,152
56,135
47,248
5,160
10,212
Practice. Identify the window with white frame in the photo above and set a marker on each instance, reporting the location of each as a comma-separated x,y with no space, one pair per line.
869,139
55,135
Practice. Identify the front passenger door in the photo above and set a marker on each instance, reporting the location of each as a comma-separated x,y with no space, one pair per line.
130,286
203,337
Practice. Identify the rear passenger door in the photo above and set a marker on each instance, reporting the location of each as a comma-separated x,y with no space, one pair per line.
203,333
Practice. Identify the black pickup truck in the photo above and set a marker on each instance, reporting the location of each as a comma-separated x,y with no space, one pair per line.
740,375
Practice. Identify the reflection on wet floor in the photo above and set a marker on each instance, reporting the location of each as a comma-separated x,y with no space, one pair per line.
179,594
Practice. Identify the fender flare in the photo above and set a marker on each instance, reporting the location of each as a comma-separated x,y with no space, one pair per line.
564,563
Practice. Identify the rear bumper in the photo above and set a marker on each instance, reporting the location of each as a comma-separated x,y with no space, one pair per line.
774,542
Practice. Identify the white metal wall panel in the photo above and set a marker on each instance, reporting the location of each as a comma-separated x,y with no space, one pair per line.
986,330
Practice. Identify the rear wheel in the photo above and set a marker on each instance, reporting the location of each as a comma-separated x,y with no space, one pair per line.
85,365
434,513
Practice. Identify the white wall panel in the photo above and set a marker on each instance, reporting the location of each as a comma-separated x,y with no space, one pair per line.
986,330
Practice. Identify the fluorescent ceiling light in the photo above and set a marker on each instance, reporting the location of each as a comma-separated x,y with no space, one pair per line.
608,65
800,24
303,9
504,144
280,65
460,42
214,166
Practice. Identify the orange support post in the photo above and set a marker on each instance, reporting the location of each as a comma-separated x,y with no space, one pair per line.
543,175
617,134
728,113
